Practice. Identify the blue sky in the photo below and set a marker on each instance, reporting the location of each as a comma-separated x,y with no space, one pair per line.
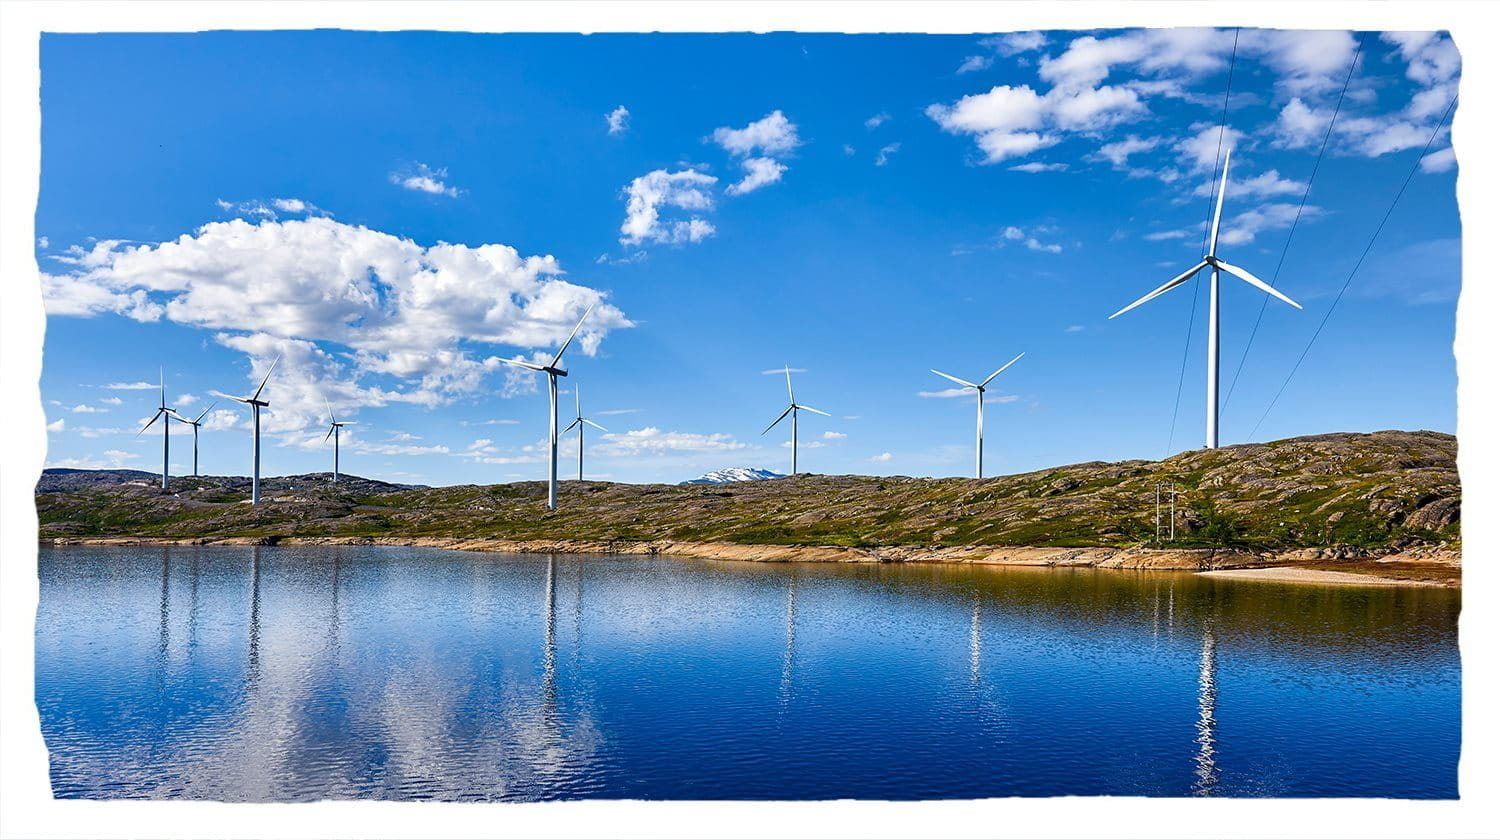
393,213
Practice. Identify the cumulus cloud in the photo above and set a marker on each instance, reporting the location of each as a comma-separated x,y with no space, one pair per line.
1244,227
884,155
772,134
423,178
759,172
413,318
653,441
834,436
646,196
881,458
1439,161
140,385
878,120
85,408
111,400
1029,239
1038,166
58,425
975,63
618,120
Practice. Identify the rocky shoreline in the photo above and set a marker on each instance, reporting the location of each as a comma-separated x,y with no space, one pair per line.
1425,566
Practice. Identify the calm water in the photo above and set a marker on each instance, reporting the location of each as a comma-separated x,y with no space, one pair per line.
393,673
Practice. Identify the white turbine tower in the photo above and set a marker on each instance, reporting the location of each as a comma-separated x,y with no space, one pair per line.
580,421
792,409
256,404
165,415
553,371
1212,261
334,425
195,423
979,422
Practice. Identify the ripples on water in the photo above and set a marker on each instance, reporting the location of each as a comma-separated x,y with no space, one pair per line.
392,673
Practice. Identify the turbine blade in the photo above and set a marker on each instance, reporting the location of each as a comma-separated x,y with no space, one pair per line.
592,423
348,422
256,395
1256,282
964,382
205,413
780,418
149,422
1001,370
564,347
331,427
223,395
813,410
787,369
521,364
569,427
161,382
577,402
331,418
1165,287
1213,236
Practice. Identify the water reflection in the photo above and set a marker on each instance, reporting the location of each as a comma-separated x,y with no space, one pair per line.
293,674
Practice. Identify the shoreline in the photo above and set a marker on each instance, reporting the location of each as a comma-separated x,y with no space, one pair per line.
1430,567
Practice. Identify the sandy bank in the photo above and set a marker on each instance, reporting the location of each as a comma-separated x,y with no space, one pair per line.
1422,567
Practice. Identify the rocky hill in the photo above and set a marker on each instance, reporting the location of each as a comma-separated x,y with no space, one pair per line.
1384,490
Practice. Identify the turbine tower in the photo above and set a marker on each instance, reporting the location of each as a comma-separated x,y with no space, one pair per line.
1212,261
165,415
334,425
553,371
580,421
256,404
792,409
195,423
979,422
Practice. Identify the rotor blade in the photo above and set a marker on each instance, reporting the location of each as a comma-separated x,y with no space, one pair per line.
1213,236
577,402
813,410
331,418
964,382
1256,282
787,369
223,395
173,413
149,422
1165,287
205,413
779,419
592,423
331,427
569,427
520,364
348,422
161,382
558,357
1001,370
256,395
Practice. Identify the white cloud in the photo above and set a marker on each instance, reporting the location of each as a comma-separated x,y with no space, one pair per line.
1161,235
1016,234
1298,126
1245,226
1076,328
42,242
974,63
1012,121
617,411
881,458
947,393
759,172
877,120
424,179
113,459
686,189
1204,151
85,408
1119,152
1265,185
414,316
1439,161
653,441
773,134
111,401
57,425
884,155
1037,166
1015,43
489,423
848,150
125,386
1033,244
185,400
834,436
618,120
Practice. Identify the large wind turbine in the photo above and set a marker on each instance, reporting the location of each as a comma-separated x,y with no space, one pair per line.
792,409
165,415
580,421
334,425
553,371
195,423
979,422
1212,261
256,404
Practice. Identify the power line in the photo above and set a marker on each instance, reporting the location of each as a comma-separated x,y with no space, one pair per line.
1378,228
1187,339
1265,300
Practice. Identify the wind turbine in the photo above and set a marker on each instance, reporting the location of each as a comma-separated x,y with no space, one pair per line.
334,424
256,404
792,409
579,420
162,412
195,423
553,371
979,423
1211,260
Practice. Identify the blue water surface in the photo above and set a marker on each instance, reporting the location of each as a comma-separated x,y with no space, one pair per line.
303,673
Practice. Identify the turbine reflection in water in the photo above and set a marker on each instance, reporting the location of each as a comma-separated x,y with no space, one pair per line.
1206,770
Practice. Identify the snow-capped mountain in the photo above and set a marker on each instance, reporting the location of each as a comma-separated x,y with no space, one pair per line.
732,474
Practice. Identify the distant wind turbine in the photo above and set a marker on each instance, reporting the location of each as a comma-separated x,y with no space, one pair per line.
1211,260
792,409
334,425
580,421
195,423
979,422
553,371
166,415
256,404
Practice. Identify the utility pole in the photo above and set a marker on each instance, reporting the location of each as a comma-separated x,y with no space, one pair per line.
1172,531
1156,534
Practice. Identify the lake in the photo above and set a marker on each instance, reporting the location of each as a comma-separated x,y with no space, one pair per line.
302,673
